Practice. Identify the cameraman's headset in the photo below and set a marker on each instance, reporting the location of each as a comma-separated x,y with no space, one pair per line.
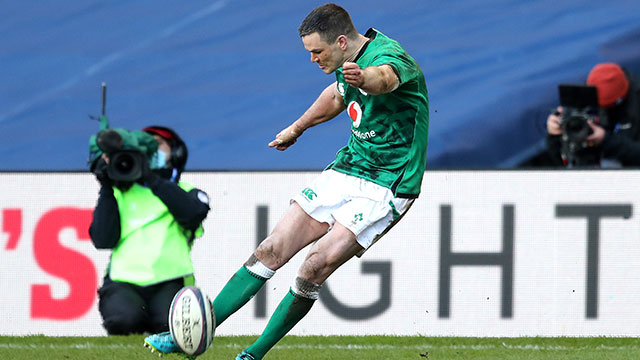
179,152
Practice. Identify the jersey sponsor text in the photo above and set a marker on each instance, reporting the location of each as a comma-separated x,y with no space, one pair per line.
364,135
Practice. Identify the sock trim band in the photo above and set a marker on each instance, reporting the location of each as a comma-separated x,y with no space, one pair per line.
306,289
258,269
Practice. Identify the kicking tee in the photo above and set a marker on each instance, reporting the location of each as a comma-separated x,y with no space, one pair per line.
388,143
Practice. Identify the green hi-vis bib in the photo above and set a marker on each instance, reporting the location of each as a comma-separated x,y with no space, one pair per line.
153,247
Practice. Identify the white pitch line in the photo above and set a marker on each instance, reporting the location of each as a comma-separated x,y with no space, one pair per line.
68,346
113,57
528,347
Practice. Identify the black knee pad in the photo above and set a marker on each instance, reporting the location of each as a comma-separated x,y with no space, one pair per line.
122,324
123,311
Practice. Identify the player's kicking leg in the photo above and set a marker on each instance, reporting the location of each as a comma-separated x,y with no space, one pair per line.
358,222
326,255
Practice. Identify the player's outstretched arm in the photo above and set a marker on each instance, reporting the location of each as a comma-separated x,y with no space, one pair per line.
327,106
373,80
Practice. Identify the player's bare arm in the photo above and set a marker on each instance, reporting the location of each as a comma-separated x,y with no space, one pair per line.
373,80
327,106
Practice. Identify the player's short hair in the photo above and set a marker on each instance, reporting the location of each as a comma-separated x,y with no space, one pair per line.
329,21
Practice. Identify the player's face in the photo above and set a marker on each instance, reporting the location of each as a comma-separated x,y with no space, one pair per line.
329,57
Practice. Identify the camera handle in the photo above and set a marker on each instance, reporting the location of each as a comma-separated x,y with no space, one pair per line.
104,120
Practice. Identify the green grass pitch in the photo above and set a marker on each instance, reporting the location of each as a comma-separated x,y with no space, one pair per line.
334,348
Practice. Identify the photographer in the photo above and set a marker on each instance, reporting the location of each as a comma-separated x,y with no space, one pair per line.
614,134
149,219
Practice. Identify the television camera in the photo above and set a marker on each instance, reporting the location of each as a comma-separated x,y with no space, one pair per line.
126,151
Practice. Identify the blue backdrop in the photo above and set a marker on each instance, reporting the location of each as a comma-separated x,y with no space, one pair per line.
229,75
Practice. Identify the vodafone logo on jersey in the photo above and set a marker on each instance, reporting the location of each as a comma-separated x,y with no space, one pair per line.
355,113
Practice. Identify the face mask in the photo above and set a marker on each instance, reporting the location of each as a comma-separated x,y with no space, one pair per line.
158,160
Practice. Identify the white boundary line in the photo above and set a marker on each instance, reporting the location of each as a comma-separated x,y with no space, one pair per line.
529,347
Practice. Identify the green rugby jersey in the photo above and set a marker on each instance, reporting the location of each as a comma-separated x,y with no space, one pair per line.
388,143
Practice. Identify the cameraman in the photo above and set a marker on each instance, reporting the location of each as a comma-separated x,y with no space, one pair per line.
615,135
150,225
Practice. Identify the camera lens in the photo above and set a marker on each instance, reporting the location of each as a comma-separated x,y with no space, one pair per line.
576,124
124,163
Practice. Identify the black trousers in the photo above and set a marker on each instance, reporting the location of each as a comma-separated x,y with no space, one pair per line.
127,308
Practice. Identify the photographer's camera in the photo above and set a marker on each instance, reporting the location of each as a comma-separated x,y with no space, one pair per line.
121,156
123,164
575,126
126,165
580,106
118,156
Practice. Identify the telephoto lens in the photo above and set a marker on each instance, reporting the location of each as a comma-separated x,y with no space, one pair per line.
125,165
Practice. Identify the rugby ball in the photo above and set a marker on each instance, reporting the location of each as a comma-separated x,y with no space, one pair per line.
191,320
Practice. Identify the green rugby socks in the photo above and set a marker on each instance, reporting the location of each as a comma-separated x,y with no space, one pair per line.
295,305
242,286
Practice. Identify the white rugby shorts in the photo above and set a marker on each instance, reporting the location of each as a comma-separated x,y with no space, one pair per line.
366,208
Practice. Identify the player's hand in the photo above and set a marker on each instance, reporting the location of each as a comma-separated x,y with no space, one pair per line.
597,136
553,122
286,137
353,74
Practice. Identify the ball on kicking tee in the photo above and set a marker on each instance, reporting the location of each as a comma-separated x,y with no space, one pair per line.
191,320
